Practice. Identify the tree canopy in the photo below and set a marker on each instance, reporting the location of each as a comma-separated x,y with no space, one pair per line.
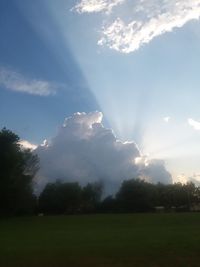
17,169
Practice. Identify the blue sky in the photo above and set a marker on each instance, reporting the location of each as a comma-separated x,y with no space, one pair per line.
144,77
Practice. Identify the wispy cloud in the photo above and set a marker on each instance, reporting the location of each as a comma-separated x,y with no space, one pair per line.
90,6
154,18
15,81
142,21
195,124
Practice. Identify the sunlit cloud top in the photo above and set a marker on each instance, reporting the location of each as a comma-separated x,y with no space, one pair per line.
15,81
89,6
27,145
141,20
84,150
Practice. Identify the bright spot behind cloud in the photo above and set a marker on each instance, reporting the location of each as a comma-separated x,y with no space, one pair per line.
27,145
140,21
15,81
184,179
166,119
85,151
194,124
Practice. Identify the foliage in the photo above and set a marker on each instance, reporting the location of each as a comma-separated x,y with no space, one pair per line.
58,198
17,169
139,196
135,196
68,198
91,197
108,205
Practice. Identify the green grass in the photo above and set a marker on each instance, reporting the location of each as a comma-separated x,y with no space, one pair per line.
149,240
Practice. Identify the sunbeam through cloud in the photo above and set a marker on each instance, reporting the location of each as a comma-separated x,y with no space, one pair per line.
85,151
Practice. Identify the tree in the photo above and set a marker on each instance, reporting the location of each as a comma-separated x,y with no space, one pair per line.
178,196
17,169
60,198
91,196
135,196
108,205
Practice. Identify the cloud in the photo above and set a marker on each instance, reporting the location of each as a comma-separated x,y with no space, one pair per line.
140,21
180,178
27,145
194,124
15,81
154,18
166,119
195,178
184,179
85,151
155,172
90,6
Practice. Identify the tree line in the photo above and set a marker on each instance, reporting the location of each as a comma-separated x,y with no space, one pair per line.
134,195
18,167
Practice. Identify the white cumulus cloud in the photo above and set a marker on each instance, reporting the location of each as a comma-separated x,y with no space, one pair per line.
85,151
27,145
15,81
140,21
195,124
90,6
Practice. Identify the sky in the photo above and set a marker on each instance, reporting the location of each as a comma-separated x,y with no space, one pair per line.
136,62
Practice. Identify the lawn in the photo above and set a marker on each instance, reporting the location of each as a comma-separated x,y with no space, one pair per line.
127,240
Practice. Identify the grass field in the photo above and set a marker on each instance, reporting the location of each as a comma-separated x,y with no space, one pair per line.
149,240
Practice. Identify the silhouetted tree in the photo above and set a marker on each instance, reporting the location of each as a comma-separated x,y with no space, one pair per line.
91,196
108,205
192,194
60,198
17,169
179,196
135,196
